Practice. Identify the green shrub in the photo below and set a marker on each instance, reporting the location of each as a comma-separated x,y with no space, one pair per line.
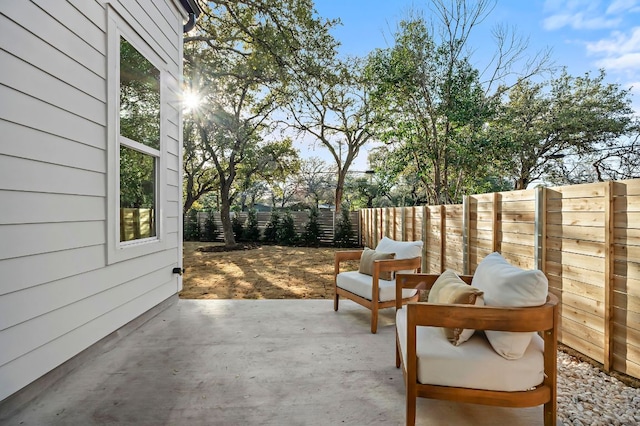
251,231
344,235
271,230
312,232
286,233
210,228
237,227
191,227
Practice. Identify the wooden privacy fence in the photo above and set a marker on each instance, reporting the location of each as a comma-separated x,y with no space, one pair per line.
136,223
586,238
326,219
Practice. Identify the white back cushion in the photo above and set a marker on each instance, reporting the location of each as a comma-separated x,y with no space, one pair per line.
402,249
507,285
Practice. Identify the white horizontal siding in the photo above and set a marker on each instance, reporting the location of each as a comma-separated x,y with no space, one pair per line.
58,295
57,35
134,12
24,272
42,359
93,10
18,174
64,292
21,207
172,226
173,207
38,52
28,335
37,238
174,193
172,178
73,20
172,162
31,112
173,132
27,143
26,78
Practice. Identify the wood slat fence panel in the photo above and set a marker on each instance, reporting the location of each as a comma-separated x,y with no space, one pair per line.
586,238
626,277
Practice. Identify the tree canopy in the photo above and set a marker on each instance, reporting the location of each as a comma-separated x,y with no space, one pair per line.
269,78
240,62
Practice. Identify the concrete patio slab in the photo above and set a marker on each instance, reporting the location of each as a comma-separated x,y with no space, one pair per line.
250,362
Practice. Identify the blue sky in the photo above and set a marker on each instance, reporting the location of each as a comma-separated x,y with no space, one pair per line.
584,35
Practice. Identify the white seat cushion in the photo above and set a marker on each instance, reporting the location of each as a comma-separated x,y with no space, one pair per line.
472,365
361,285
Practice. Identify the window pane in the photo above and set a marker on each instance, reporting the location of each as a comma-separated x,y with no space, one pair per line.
137,195
139,97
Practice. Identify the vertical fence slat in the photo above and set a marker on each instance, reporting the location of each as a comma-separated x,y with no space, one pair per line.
494,229
466,219
443,232
608,275
540,227
425,238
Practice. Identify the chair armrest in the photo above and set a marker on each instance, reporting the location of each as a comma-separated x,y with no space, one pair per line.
537,318
344,255
420,282
397,264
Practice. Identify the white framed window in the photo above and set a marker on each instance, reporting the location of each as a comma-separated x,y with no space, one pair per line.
135,143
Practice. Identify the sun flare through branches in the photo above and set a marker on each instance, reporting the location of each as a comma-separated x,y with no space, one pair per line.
191,101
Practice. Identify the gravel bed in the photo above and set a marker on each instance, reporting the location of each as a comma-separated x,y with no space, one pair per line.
588,396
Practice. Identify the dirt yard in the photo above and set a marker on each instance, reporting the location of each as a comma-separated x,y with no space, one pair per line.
266,272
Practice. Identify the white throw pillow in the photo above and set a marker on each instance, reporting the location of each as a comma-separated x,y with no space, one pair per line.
506,285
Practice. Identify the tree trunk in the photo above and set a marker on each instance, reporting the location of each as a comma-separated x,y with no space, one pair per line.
225,217
188,202
521,183
339,191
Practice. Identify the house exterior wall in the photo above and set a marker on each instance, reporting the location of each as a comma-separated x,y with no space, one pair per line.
64,282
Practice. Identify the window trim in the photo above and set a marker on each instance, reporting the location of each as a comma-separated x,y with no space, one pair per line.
118,250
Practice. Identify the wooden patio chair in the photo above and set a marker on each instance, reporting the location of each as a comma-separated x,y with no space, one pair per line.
434,368
373,285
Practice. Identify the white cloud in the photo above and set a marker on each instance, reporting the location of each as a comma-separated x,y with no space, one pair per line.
628,63
585,14
619,43
622,6
579,21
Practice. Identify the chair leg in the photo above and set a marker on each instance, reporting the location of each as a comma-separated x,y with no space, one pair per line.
397,355
336,299
411,404
374,319
550,416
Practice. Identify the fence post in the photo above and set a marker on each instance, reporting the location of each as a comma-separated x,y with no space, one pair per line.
359,227
609,225
540,226
385,220
403,223
494,226
443,231
466,219
425,239
374,241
